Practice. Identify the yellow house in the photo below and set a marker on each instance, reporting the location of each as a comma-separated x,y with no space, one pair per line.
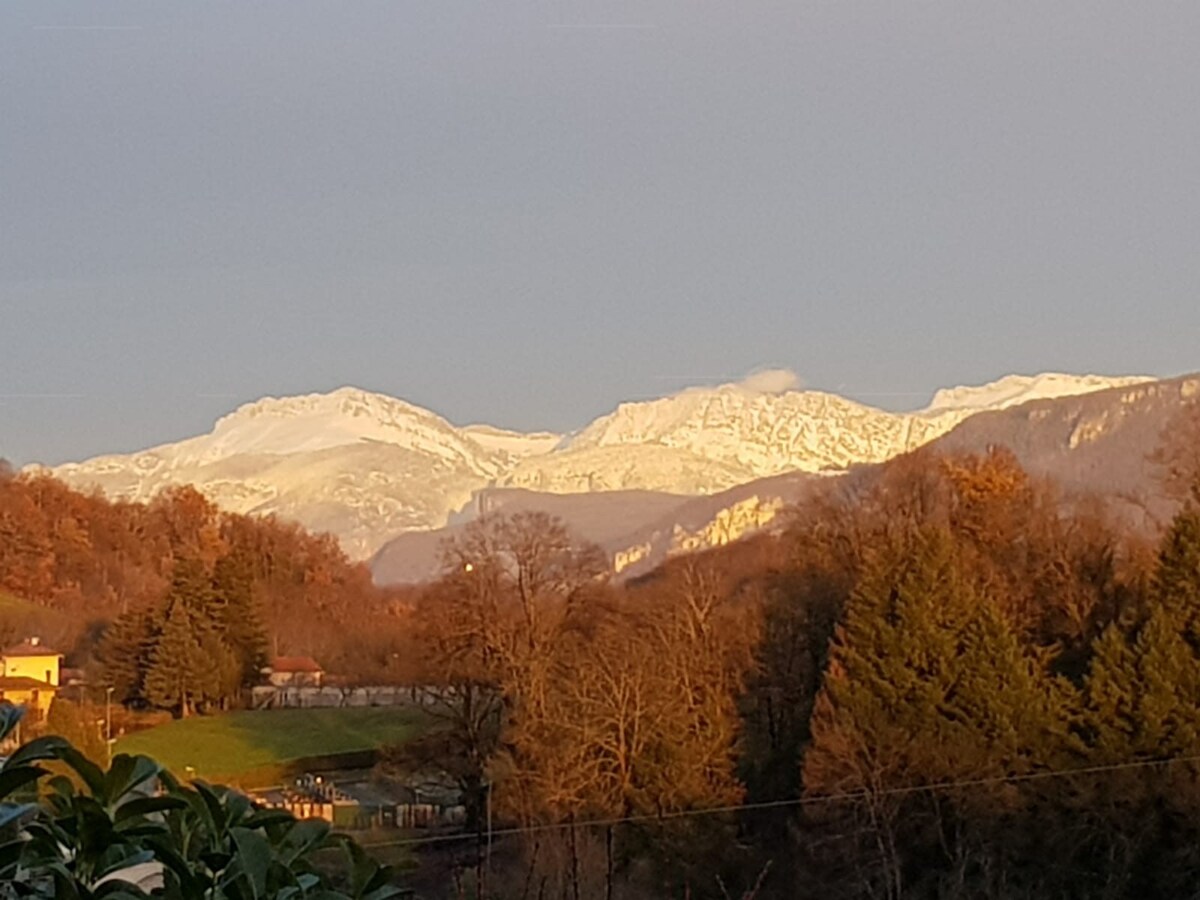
29,676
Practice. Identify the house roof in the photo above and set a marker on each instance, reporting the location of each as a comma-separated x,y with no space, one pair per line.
295,664
24,683
30,648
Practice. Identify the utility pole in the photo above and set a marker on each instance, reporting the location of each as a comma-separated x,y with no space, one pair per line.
108,738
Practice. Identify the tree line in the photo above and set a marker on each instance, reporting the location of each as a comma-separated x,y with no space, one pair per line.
944,679
178,605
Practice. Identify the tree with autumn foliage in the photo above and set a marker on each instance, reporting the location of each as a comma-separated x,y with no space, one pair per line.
639,710
486,633
82,567
1178,453
576,700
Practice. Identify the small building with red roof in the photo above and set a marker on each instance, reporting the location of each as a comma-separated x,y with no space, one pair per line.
295,671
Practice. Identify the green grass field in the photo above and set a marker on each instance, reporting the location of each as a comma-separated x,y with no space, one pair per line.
250,743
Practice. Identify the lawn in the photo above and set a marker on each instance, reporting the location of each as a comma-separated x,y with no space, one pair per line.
258,743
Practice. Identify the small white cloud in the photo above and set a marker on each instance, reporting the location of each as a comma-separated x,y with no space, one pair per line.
771,381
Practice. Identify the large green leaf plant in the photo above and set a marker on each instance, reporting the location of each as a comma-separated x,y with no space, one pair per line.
133,832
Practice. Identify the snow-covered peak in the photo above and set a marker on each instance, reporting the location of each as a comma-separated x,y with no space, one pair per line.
1013,390
700,416
732,432
351,415
344,404
303,426
314,422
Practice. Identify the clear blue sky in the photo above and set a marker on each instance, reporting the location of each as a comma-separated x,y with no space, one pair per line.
525,212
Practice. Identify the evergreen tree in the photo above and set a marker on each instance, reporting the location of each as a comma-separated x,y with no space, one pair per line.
929,681
239,621
189,663
1144,695
1142,703
200,647
1018,714
929,684
181,674
1143,689
124,653
1177,576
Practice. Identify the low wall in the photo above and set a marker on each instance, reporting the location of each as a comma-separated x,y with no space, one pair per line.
268,696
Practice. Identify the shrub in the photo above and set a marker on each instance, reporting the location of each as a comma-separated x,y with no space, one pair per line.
106,834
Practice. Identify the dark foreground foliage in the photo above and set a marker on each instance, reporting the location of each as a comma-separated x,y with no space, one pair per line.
133,832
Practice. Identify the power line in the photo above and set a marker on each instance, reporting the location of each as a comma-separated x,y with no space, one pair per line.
812,800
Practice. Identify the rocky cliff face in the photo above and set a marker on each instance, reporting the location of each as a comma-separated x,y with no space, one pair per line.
705,440
1098,443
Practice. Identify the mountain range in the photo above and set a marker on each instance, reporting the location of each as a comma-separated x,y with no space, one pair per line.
693,469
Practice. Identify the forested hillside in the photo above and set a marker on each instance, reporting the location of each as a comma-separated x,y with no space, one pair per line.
942,681
119,585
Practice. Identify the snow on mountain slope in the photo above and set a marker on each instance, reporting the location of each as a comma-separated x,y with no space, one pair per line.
360,465
624,467
758,433
320,421
703,440
1013,390
368,467
515,443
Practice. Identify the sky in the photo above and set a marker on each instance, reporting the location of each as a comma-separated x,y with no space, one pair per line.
526,212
